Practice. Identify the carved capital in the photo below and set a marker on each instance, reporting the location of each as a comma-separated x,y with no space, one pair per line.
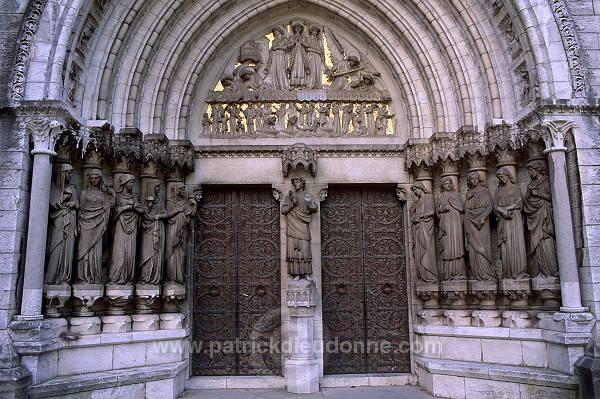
444,147
535,151
127,149
505,157
95,141
477,162
555,133
44,133
502,137
181,156
419,152
471,142
449,168
401,193
155,153
299,154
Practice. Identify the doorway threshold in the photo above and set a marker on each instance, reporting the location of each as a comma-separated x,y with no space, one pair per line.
367,380
236,382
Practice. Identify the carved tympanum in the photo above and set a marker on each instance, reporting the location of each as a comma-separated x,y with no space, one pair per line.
511,237
421,216
538,208
298,208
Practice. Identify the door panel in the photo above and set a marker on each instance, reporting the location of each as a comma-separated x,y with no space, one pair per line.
364,280
237,287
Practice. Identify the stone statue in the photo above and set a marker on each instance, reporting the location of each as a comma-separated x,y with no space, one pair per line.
511,236
316,58
298,208
422,212
96,203
478,207
450,211
538,208
125,219
62,227
153,239
298,45
180,209
278,59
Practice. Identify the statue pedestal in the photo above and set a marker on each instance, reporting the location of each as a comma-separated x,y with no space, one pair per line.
173,295
458,317
116,321
517,319
84,322
430,317
517,292
429,293
486,318
55,298
302,367
485,291
455,292
146,296
145,322
548,290
171,321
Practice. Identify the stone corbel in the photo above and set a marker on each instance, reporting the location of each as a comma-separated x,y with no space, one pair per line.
181,159
127,149
502,136
155,154
471,142
418,153
444,147
299,154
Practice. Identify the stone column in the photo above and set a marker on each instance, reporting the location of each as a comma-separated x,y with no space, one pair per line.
554,138
302,367
43,132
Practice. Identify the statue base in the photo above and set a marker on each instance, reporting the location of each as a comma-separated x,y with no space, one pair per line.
171,321
301,293
86,295
146,296
548,290
302,375
145,322
55,298
517,319
457,317
87,325
430,317
173,295
116,324
485,291
517,292
486,318
118,296
429,293
455,292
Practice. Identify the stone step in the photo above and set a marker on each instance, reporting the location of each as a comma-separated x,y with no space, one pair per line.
133,383
367,380
235,382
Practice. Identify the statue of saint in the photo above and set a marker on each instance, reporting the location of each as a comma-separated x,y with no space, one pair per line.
511,236
538,208
316,58
62,230
96,202
298,208
153,239
298,45
125,219
450,212
478,207
422,212
180,209
278,59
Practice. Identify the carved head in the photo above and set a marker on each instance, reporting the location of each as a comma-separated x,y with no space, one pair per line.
66,171
536,168
474,179
353,61
505,175
419,189
126,183
314,30
227,80
95,178
299,183
447,184
278,30
297,27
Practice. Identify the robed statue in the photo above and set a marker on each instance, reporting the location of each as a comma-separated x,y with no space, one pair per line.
298,208
450,212
180,209
421,215
478,207
125,224
153,238
298,64
62,227
511,235
278,58
96,202
538,208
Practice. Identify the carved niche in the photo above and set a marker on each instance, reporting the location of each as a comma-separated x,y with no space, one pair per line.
299,79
